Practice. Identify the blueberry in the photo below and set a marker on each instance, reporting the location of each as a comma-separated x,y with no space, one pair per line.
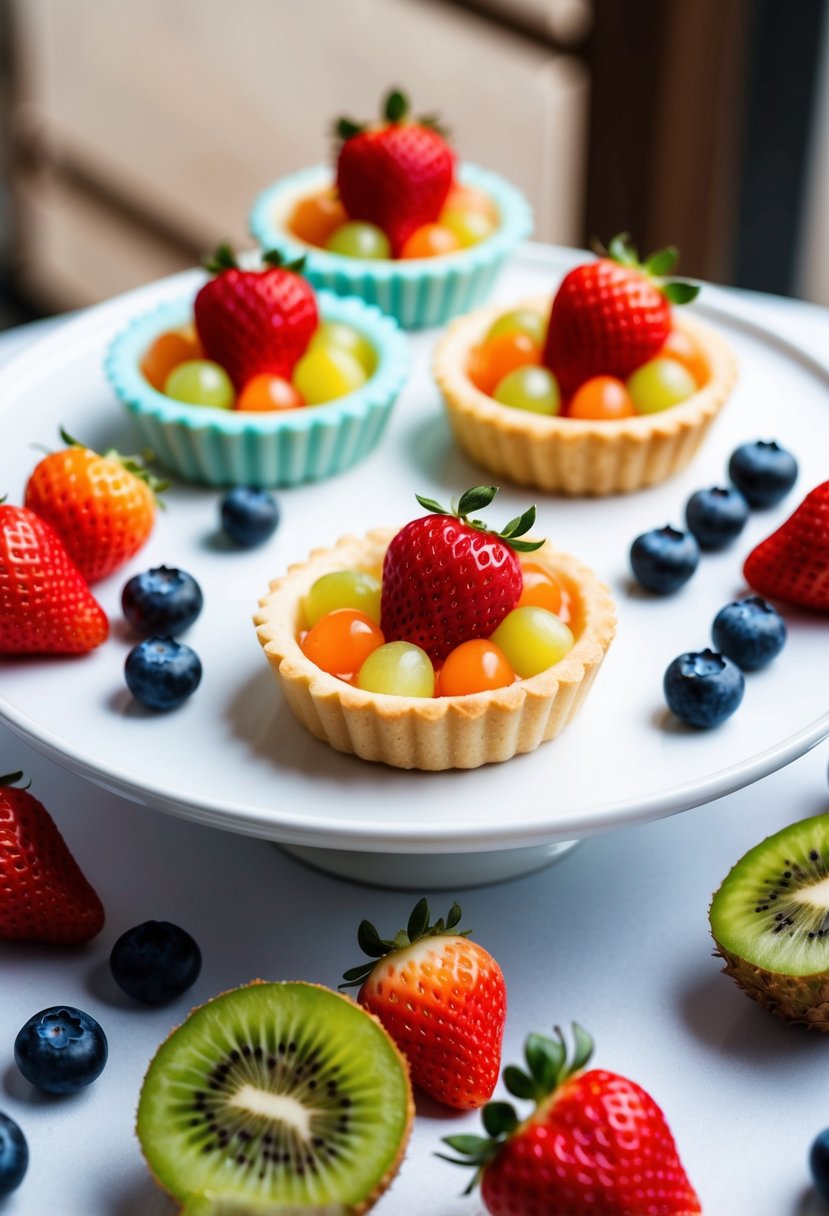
249,516
704,688
162,601
155,962
750,632
161,673
664,559
763,472
14,1155
819,1164
716,516
61,1050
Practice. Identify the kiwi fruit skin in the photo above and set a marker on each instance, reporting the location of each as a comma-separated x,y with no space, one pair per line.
210,1203
801,999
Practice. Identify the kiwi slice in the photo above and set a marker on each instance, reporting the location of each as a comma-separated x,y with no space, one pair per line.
770,920
275,1098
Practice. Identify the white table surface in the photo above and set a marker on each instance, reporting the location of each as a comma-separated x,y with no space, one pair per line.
615,937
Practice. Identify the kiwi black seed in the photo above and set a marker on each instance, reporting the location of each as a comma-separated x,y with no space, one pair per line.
770,920
276,1094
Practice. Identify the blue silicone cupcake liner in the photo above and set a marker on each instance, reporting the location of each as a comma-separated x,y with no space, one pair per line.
419,292
230,447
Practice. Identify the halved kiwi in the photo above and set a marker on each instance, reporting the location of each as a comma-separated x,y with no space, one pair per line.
276,1097
770,920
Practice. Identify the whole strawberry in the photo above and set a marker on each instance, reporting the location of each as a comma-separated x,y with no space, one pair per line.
448,579
793,563
255,321
442,999
101,505
45,605
44,897
612,315
596,1145
395,175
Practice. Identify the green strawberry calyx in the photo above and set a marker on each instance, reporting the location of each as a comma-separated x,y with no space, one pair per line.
395,109
223,258
655,267
548,1067
10,779
136,465
418,927
477,499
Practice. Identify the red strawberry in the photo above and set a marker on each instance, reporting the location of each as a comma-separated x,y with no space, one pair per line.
254,321
45,604
448,579
44,897
793,563
396,175
442,999
101,506
597,1144
611,316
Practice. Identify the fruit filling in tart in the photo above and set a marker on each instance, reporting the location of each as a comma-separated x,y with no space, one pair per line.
489,638
396,195
257,344
608,349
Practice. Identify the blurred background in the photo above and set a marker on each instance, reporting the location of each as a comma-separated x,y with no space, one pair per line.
134,136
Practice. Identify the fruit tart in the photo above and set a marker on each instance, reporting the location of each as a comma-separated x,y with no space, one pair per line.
604,391
254,378
399,223
442,645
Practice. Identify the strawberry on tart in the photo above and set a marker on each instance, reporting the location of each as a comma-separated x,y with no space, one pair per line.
606,390
442,645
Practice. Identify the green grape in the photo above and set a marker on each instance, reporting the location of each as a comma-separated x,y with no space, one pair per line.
520,321
345,337
326,373
358,240
660,384
400,669
343,589
200,382
529,388
470,227
533,639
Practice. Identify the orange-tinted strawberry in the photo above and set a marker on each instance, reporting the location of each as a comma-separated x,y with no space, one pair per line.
45,605
101,506
793,563
396,175
612,315
442,999
44,897
448,579
255,321
596,1145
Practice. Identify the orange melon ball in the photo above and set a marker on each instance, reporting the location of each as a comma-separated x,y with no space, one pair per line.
167,352
684,350
492,360
475,666
341,641
602,398
468,198
430,241
266,393
541,589
317,217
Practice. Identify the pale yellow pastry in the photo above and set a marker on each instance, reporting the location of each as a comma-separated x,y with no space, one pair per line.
440,732
569,455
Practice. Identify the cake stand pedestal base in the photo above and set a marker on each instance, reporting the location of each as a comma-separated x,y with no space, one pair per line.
432,871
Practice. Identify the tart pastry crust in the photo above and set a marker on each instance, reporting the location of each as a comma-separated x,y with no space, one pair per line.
569,455
441,732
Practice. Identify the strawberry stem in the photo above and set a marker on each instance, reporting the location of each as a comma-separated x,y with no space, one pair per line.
418,927
136,465
477,499
13,779
655,267
223,259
